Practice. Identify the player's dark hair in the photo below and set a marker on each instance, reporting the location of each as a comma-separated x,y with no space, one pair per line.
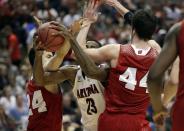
31,56
144,23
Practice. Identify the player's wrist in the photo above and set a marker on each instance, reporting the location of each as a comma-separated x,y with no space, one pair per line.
116,3
39,51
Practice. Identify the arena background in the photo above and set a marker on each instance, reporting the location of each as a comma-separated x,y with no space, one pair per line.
16,21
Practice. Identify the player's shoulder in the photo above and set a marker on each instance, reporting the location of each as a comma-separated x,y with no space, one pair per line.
154,45
175,29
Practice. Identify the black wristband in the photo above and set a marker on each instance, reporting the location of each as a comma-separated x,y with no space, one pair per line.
128,17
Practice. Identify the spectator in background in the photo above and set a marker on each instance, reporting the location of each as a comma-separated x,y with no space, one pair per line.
173,12
3,77
19,112
13,46
46,13
73,13
8,100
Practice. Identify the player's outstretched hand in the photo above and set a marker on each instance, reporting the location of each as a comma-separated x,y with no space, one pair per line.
91,10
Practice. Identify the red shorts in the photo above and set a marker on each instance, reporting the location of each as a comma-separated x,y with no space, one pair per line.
178,115
122,122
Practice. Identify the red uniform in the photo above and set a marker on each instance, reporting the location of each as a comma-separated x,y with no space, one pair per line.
178,108
126,94
45,109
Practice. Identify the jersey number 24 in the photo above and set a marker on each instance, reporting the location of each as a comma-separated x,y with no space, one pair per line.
129,77
37,102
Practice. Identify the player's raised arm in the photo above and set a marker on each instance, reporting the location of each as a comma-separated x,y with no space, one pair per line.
90,15
88,65
56,61
160,66
117,5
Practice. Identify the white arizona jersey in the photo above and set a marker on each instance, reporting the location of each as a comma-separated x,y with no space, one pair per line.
89,94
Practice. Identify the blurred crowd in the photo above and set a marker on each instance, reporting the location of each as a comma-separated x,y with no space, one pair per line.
16,31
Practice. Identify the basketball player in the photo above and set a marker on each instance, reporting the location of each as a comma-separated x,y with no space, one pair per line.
43,89
126,94
89,92
173,47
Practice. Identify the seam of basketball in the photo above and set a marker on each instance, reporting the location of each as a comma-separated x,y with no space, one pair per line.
50,41
47,35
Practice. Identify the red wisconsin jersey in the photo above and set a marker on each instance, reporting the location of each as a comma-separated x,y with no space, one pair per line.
177,111
126,91
45,109
180,41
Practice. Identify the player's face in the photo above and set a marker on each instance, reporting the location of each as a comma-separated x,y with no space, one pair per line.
46,57
92,44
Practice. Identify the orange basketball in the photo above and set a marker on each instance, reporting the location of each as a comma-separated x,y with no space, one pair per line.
51,42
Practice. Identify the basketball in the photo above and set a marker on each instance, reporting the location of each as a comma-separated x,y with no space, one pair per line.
51,42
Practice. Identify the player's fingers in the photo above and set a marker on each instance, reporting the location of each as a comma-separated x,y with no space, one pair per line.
38,22
55,27
57,34
96,5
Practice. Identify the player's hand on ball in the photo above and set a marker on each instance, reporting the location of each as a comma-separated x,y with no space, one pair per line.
62,30
37,45
90,11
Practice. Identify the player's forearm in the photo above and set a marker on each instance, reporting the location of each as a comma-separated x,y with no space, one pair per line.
87,64
82,36
155,90
38,72
120,8
53,64
58,58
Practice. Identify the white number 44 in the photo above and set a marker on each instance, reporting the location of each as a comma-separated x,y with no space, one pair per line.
129,77
37,102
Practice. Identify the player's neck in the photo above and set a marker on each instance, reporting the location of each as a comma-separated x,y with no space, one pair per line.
139,43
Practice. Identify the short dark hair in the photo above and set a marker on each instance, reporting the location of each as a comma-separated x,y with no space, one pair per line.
31,56
144,23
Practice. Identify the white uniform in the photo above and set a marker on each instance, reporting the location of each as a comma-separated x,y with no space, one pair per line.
89,94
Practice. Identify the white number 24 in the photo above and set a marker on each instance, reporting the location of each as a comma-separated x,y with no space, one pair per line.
37,102
129,77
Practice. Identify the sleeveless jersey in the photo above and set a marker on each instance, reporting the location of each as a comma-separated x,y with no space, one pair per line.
180,41
45,109
89,94
178,107
126,92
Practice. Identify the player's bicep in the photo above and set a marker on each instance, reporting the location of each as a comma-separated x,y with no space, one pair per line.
103,54
166,57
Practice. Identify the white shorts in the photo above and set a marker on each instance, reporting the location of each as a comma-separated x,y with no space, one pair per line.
91,128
